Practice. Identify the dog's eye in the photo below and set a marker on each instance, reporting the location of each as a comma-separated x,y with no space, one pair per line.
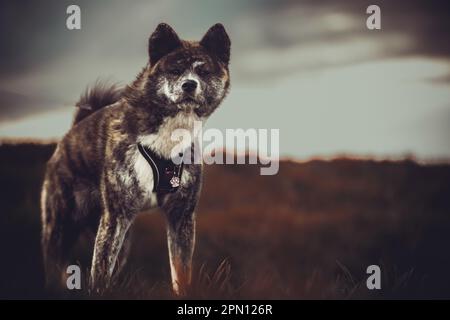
203,72
176,71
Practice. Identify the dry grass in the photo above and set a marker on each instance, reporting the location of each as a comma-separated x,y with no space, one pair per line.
308,232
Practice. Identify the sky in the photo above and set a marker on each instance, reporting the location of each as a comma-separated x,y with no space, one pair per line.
311,69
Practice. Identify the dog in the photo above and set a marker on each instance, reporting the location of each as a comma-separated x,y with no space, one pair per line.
115,161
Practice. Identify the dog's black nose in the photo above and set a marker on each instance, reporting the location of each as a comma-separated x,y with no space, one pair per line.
189,86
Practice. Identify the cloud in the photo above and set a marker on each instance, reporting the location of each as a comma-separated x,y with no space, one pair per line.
45,125
15,105
271,40
286,33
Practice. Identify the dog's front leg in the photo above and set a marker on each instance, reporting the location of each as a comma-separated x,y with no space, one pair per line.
180,217
111,233
181,241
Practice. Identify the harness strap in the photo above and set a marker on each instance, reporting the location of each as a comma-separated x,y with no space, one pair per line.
166,174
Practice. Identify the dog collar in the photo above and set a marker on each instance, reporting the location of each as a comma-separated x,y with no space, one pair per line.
166,174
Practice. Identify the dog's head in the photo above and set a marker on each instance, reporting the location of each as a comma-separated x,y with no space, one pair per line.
188,76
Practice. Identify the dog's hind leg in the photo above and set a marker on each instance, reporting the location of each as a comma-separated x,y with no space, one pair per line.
57,237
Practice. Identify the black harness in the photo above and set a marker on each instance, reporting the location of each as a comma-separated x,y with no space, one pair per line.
166,174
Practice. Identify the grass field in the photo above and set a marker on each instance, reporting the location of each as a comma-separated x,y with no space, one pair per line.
308,232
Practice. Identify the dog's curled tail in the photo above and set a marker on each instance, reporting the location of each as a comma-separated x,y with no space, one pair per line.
98,96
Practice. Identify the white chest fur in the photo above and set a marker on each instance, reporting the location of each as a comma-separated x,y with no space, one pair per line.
144,176
175,133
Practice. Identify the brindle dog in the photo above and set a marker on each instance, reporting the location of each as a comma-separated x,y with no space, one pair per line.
98,179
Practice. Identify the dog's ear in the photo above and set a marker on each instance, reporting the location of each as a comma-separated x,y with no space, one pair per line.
217,42
162,41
